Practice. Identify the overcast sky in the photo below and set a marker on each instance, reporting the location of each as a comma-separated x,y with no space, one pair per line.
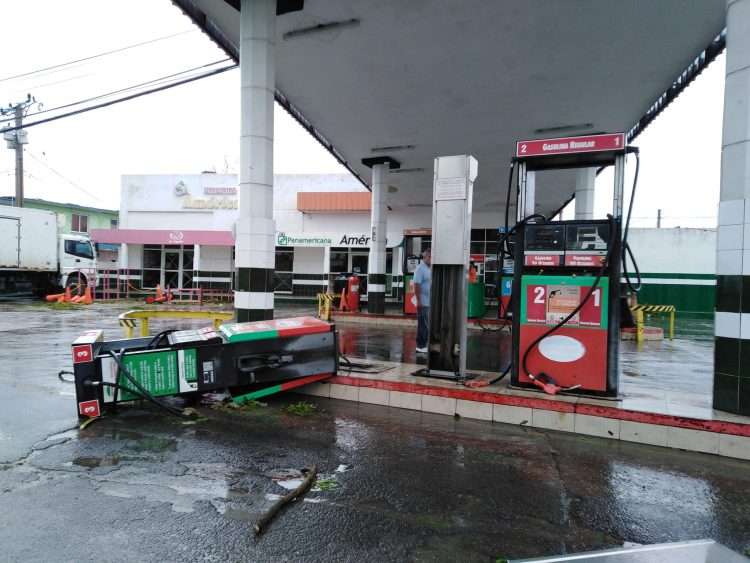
196,127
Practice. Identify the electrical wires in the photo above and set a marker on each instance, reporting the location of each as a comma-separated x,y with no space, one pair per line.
124,98
98,55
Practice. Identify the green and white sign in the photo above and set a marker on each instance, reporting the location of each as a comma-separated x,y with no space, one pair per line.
160,373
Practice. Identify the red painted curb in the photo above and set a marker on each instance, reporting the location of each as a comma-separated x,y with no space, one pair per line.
716,426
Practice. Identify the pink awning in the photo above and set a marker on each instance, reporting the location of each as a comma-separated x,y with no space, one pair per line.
157,236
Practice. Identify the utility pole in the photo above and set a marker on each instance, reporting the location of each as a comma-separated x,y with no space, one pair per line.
658,218
16,138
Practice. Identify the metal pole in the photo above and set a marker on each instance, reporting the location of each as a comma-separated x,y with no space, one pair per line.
19,157
619,191
658,218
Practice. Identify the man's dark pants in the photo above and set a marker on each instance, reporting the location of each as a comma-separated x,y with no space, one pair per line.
423,326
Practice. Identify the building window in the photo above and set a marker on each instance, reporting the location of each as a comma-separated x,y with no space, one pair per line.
339,261
79,223
113,223
284,259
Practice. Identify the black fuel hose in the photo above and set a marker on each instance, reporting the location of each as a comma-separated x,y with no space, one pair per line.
574,312
626,250
153,343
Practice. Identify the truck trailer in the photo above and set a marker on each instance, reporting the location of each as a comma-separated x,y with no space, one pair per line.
35,259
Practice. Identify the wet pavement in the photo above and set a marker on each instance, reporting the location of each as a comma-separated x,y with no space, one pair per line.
396,485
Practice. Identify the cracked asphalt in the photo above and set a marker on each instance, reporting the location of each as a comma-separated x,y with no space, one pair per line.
399,485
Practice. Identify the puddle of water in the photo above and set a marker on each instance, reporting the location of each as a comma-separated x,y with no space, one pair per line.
290,484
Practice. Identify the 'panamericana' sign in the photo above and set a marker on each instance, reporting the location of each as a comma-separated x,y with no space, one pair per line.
356,240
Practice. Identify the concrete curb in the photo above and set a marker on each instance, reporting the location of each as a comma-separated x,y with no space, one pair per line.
723,438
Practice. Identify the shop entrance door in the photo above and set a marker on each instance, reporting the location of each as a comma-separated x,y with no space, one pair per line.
171,271
359,267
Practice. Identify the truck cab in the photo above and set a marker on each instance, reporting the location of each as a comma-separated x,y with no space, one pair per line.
77,261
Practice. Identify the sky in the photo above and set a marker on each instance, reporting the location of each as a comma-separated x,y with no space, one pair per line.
192,128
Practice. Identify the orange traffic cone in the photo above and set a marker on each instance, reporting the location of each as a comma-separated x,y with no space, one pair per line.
67,296
87,299
159,292
54,297
61,298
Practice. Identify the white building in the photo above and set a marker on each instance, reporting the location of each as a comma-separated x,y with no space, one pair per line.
177,231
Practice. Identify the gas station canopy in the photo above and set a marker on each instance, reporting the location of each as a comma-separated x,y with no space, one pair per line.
418,79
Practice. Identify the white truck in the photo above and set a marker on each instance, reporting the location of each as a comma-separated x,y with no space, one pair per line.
35,259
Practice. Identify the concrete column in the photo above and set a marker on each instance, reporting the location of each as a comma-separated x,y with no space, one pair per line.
122,257
732,325
327,267
378,231
584,200
255,228
376,263
196,257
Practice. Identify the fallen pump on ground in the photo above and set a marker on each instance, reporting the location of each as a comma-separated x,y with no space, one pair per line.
254,358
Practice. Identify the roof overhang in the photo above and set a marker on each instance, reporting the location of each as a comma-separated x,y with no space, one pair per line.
413,81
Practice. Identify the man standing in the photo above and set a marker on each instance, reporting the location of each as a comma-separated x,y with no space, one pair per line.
422,283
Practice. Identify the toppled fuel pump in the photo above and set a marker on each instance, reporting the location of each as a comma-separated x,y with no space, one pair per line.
273,355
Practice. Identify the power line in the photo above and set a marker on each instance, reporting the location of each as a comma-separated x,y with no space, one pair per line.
59,174
105,53
127,89
124,98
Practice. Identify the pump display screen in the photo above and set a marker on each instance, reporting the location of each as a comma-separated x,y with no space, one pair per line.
545,237
577,245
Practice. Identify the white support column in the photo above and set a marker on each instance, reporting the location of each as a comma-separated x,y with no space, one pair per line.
327,267
123,265
732,324
196,273
122,257
526,192
584,200
255,229
378,230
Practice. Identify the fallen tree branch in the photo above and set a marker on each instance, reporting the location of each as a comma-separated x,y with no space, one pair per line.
307,482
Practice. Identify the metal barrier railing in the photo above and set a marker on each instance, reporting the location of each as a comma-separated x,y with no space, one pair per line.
639,312
325,305
129,319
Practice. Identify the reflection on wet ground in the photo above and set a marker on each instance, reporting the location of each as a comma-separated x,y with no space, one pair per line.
395,485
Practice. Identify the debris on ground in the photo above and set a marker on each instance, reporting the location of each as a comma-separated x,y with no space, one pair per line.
232,406
264,520
326,484
301,408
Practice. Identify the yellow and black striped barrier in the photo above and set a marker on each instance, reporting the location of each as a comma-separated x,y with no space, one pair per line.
325,305
640,310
